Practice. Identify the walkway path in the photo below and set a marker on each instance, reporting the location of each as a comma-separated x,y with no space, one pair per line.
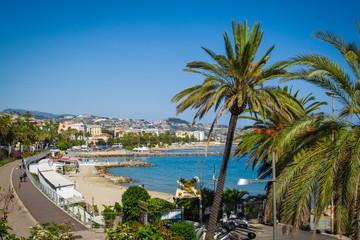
37,206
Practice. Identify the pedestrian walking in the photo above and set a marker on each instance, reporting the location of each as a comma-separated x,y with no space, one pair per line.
24,176
21,177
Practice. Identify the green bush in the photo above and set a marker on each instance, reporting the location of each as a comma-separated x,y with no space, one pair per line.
130,200
137,231
158,206
184,229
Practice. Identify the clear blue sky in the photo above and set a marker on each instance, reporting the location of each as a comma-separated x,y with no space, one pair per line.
125,58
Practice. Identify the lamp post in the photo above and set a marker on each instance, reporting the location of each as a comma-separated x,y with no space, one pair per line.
331,93
242,181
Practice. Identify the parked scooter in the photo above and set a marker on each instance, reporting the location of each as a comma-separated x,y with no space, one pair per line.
238,221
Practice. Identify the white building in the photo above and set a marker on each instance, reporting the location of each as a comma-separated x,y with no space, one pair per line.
78,126
50,178
199,135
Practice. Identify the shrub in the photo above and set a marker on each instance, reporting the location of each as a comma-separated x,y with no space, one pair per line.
109,215
130,200
50,231
135,230
184,229
158,206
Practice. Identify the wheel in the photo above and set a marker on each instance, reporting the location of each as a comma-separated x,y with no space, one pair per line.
251,235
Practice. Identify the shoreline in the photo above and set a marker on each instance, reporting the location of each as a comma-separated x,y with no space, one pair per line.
100,154
97,190
154,152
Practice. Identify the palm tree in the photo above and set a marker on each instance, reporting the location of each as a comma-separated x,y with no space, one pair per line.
233,83
258,139
341,159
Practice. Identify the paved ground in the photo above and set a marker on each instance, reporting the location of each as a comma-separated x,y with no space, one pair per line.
266,232
31,206
18,218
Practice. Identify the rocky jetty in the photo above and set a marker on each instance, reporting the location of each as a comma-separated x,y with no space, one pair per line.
103,169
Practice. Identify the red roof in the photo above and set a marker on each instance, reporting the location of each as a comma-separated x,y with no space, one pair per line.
65,159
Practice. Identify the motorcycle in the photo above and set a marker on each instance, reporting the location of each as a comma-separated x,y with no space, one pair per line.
238,221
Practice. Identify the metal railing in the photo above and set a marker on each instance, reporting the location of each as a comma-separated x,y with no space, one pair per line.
74,210
322,225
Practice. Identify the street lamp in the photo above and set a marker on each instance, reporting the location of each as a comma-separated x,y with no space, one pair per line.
242,181
331,93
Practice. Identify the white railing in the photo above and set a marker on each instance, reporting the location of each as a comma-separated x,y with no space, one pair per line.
74,210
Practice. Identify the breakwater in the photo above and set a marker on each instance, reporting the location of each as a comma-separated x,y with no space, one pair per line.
105,154
103,169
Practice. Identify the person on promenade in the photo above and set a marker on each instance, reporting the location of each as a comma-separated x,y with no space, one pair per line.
21,177
24,176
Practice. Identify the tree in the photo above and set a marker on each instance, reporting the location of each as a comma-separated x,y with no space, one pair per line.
6,131
232,84
339,170
259,140
130,200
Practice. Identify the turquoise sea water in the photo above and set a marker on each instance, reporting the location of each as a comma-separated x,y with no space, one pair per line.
164,175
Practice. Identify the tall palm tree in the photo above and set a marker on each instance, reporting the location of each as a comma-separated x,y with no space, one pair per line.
259,140
343,157
233,83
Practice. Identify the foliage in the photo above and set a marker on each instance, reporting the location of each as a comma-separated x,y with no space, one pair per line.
130,200
327,162
35,176
158,206
232,83
101,142
96,209
109,214
50,231
135,230
4,231
184,229
8,160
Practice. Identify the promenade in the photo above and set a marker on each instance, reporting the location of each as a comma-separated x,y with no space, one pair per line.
30,206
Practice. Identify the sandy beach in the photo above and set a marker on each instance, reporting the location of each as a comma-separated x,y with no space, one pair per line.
97,190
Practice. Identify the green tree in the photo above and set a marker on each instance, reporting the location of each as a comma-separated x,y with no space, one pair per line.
6,129
262,138
158,206
130,200
338,158
232,84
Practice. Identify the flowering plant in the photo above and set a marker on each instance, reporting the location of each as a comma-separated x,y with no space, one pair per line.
188,184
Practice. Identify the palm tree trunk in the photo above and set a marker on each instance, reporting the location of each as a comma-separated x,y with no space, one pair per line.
355,222
222,175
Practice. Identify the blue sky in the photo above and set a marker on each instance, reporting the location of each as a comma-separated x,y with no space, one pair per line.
125,58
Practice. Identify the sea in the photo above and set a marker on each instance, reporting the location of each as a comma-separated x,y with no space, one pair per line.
167,170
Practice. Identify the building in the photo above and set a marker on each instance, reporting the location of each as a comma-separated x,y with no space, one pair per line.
183,134
49,177
64,126
199,135
94,130
78,126
118,132
104,136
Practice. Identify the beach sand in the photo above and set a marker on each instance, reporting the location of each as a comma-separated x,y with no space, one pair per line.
98,191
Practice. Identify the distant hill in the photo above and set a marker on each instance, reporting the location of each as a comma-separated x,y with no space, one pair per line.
176,120
36,114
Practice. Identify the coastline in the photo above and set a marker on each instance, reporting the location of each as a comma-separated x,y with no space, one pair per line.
99,191
154,152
